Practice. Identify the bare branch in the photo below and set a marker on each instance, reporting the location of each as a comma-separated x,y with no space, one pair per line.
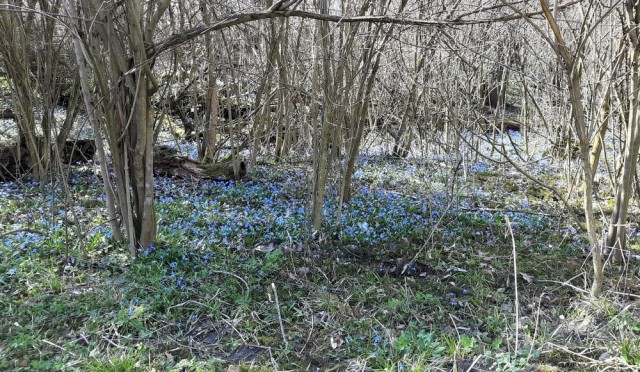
280,10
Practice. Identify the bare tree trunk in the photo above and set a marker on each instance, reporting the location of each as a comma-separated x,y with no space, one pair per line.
263,95
282,124
573,68
97,132
618,228
125,85
141,130
602,131
323,128
212,120
371,64
402,145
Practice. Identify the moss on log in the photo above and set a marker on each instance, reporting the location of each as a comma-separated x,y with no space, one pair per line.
168,163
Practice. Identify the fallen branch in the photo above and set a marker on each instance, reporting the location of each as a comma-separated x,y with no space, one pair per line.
284,336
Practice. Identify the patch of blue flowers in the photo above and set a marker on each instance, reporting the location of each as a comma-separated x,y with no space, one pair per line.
243,214
228,214
236,214
481,167
377,216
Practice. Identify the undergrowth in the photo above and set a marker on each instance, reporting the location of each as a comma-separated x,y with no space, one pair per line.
415,273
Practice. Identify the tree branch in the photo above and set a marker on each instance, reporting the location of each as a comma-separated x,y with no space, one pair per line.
280,10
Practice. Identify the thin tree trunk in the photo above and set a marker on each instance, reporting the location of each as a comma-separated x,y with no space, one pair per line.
616,237
602,131
572,65
323,130
91,113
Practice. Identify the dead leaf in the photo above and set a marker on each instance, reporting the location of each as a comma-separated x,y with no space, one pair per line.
507,306
528,278
456,269
264,248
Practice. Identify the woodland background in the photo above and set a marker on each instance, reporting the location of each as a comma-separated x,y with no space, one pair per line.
151,110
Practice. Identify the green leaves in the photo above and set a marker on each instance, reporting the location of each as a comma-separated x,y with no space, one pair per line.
422,343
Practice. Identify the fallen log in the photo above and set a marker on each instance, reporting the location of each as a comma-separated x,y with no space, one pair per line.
167,162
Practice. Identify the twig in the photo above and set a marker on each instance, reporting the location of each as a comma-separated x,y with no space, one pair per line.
441,216
566,350
565,283
455,326
515,283
553,190
58,346
621,312
194,302
475,360
284,336
112,343
623,294
235,329
535,329
308,336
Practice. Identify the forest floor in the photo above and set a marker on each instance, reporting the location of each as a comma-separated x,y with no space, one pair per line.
433,265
